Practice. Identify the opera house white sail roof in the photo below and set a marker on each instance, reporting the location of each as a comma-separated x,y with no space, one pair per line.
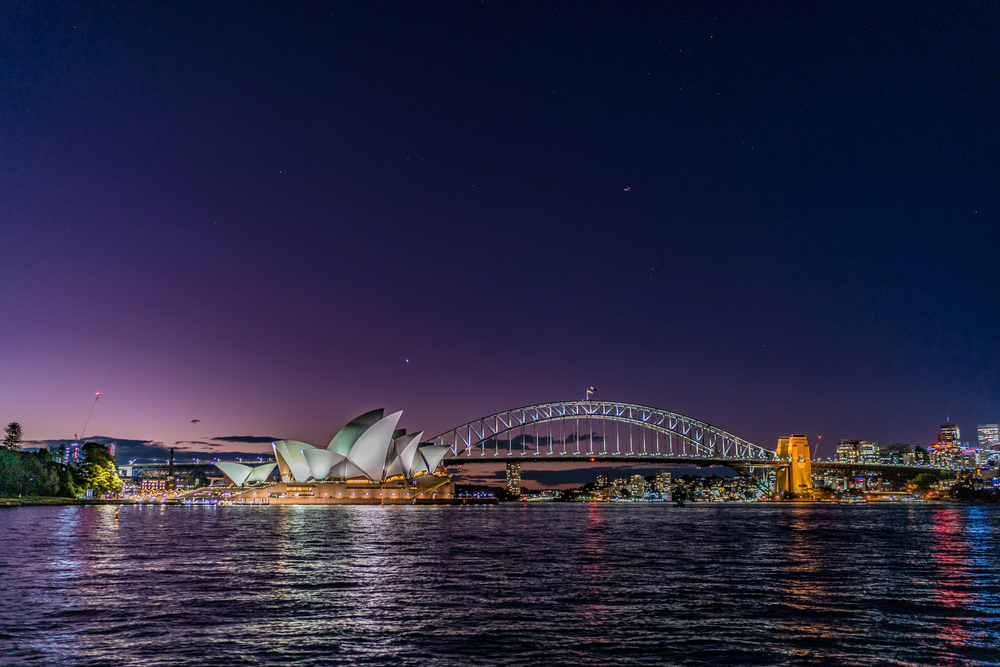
369,447
241,474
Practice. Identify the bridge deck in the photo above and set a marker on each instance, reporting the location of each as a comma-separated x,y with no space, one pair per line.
649,459
653,459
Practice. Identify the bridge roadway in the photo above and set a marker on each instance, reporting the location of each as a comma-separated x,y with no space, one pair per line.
649,458
700,461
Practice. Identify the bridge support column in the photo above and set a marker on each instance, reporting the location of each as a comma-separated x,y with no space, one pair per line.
797,478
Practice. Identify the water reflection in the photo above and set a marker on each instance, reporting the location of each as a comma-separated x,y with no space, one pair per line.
556,583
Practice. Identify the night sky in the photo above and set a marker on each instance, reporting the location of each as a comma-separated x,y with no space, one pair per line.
256,221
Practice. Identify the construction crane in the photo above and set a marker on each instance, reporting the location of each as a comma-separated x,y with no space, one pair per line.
87,421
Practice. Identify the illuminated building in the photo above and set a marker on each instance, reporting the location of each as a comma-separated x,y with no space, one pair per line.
989,438
849,451
637,487
896,454
368,461
514,478
368,447
950,436
947,451
663,480
868,452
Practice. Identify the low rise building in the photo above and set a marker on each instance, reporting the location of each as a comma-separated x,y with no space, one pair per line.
848,451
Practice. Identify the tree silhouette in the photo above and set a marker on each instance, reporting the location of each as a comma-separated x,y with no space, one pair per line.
12,437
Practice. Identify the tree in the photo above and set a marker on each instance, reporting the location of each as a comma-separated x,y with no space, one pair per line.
12,437
99,469
94,452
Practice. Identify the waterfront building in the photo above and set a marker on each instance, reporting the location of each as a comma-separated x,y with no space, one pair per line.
868,452
849,451
829,480
637,487
662,482
947,451
369,446
602,481
368,460
514,478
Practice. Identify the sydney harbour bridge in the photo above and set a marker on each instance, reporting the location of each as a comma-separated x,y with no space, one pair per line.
611,432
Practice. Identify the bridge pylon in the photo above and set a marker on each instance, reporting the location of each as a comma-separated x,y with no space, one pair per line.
797,477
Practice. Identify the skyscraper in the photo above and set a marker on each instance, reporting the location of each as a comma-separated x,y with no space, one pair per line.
948,450
514,478
950,436
989,437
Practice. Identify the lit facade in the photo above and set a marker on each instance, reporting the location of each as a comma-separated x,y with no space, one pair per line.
514,478
797,477
950,435
369,460
947,451
429,489
369,447
849,451
663,482
868,452
989,437
637,487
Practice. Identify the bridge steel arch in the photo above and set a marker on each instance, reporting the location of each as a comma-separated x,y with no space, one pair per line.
699,440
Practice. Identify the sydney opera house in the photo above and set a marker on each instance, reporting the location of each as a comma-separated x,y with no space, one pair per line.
369,461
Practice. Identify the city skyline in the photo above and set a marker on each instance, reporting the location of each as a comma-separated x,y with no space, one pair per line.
243,226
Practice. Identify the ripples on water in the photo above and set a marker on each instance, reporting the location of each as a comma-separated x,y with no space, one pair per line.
511,585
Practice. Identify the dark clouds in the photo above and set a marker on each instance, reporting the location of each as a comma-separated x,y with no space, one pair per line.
126,448
247,439
146,450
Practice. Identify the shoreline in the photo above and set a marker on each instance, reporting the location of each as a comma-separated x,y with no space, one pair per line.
33,501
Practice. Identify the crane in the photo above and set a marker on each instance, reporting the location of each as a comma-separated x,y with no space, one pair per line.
89,415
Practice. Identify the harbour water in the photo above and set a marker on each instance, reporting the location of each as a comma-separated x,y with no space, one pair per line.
542,584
